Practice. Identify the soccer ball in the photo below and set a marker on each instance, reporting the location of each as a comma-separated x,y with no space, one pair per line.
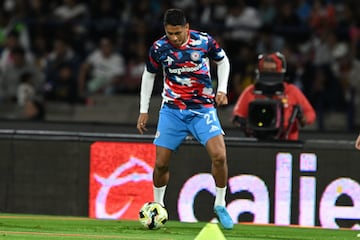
153,215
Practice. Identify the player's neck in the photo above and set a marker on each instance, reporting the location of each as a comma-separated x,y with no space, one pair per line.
187,40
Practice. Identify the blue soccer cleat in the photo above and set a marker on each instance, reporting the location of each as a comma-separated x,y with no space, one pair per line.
223,217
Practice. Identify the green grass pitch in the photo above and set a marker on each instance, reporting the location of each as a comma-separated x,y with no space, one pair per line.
40,227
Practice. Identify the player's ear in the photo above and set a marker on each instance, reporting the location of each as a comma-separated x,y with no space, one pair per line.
187,26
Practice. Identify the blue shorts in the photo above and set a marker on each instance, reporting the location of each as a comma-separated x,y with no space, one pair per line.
176,124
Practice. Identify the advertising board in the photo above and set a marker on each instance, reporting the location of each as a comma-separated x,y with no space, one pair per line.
283,186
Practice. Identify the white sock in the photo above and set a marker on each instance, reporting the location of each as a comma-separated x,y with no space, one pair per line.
159,193
220,197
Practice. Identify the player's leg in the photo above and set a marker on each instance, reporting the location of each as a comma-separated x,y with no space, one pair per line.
219,169
207,130
171,131
217,151
161,173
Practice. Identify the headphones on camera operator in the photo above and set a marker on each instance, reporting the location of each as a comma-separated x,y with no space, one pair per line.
266,113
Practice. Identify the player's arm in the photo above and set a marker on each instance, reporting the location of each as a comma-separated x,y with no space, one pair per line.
147,84
223,71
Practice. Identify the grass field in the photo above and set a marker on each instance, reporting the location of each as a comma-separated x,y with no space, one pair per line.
14,226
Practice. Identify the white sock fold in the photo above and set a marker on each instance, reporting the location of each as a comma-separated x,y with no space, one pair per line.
159,193
220,197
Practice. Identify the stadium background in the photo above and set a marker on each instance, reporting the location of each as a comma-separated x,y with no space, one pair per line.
45,165
320,40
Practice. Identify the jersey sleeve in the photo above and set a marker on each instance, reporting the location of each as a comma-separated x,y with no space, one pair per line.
215,51
152,63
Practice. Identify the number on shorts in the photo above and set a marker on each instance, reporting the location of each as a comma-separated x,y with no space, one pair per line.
210,117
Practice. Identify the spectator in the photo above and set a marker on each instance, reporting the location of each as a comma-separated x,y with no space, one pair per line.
288,24
321,93
322,14
25,90
244,72
105,18
272,108
138,31
12,41
212,13
4,21
61,53
242,22
134,68
38,12
38,19
72,18
303,10
70,11
268,41
267,11
347,70
321,47
34,110
63,87
39,50
16,12
11,76
103,70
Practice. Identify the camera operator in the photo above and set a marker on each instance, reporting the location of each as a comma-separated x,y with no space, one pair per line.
271,108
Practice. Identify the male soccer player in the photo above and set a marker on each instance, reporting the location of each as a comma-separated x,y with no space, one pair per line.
188,102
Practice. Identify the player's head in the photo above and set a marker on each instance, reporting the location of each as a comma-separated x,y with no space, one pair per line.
176,26
174,17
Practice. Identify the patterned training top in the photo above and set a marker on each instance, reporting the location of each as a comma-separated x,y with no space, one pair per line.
186,69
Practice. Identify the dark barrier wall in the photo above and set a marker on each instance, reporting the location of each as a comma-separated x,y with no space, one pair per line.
315,183
44,176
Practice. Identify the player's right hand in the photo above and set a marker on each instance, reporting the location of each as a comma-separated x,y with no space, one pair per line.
221,99
141,122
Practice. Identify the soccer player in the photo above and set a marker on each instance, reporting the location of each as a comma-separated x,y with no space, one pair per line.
188,102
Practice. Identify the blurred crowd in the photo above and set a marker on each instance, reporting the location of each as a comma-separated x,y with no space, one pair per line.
70,50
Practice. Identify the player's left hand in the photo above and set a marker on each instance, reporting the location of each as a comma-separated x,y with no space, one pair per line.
221,99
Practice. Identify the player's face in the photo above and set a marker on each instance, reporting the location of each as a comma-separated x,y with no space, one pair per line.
178,34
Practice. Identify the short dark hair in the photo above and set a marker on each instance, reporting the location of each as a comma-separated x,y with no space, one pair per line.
175,16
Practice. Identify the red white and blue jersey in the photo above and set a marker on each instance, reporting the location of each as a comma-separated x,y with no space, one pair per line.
186,69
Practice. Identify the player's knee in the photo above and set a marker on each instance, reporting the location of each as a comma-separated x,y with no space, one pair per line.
161,167
219,159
